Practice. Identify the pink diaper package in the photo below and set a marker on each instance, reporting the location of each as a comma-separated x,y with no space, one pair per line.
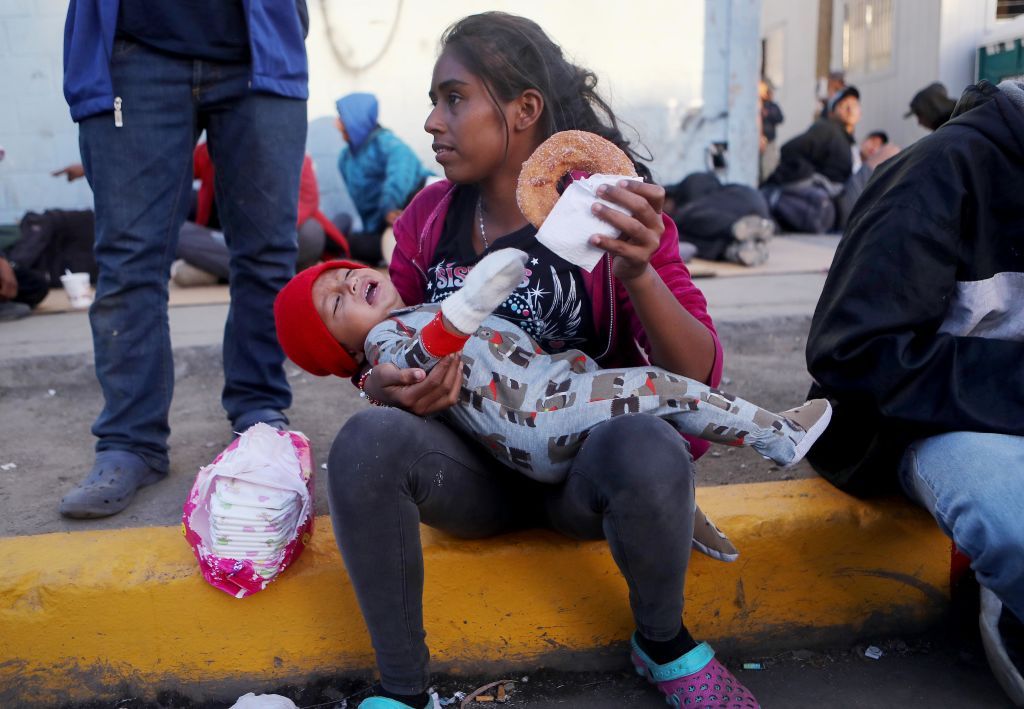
250,512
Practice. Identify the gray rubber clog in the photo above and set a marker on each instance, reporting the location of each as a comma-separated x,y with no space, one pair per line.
110,486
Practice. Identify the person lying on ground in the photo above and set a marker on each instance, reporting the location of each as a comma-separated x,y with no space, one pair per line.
532,410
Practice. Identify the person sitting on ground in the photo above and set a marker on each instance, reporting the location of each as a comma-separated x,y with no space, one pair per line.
501,87
202,253
337,317
381,174
821,173
917,340
824,149
20,290
872,144
932,106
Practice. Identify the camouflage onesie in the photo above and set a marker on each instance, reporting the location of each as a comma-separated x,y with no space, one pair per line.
533,410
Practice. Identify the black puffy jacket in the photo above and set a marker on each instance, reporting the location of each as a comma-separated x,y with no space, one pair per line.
920,327
824,148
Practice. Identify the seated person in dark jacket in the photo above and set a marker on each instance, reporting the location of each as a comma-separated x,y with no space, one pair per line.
824,149
918,340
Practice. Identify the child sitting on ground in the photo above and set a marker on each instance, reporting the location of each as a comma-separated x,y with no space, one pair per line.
532,410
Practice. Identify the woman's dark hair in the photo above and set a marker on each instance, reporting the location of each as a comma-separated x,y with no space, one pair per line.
512,54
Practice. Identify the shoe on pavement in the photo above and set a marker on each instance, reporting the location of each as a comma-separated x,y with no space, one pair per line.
186,275
710,540
753,228
1003,638
9,310
110,485
385,703
747,253
695,679
274,419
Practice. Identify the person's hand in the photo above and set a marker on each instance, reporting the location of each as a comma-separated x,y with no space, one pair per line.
8,281
413,390
392,216
72,172
641,228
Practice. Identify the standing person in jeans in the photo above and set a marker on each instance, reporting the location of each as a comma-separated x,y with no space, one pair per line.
143,79
499,89
918,340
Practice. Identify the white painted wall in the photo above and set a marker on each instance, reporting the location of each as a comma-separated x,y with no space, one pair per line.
795,22
886,94
36,131
648,56
963,25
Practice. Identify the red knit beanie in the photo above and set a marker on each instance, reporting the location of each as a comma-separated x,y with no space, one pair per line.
302,334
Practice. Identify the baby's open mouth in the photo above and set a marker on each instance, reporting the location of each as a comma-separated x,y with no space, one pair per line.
370,294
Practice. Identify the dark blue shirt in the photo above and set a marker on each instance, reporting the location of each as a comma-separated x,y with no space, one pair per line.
197,29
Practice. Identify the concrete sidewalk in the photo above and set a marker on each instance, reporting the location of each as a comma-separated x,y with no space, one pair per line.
94,609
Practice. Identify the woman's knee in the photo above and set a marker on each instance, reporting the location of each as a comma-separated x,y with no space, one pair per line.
637,452
363,461
970,484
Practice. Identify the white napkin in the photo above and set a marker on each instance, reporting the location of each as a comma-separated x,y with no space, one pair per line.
569,226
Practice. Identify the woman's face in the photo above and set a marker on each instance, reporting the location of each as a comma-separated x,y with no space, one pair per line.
469,131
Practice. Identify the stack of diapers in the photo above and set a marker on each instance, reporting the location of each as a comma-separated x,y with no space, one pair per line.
250,512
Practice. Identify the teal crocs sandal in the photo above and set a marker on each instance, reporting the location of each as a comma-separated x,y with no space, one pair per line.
695,679
385,703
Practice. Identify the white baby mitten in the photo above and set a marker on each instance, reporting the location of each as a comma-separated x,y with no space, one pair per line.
487,285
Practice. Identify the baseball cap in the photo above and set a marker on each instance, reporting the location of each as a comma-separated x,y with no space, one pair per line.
842,93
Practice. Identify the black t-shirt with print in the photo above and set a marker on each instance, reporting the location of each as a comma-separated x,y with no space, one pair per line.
551,304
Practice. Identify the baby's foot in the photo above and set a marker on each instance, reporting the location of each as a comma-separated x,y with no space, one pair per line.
800,429
488,284
809,421
709,539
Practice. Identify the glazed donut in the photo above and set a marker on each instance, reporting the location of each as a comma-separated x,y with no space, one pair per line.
557,156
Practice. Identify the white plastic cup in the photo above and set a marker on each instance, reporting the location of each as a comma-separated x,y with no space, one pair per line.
76,285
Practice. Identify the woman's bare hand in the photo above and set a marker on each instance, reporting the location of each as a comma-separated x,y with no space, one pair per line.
414,390
641,229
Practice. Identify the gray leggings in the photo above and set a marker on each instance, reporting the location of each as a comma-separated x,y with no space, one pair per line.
389,470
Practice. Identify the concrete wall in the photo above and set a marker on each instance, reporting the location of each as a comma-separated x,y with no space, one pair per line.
36,131
963,26
886,94
793,23
649,57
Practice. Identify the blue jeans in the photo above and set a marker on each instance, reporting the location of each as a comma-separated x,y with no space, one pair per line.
141,177
973,484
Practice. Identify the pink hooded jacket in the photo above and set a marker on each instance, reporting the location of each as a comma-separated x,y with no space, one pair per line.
418,231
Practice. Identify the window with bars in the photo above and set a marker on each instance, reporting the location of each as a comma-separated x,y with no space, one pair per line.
1006,9
867,35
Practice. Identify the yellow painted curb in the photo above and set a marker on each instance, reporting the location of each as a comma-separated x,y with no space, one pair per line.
88,615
